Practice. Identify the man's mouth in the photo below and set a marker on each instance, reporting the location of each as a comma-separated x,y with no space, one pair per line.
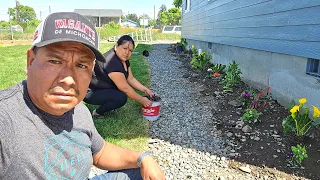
63,94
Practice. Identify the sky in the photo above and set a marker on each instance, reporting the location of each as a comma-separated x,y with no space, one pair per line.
41,7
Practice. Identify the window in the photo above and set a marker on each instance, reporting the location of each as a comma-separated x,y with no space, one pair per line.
187,5
172,29
168,28
313,67
178,28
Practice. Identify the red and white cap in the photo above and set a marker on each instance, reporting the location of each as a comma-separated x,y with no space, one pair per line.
67,26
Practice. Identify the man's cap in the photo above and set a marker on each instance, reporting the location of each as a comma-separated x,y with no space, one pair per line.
67,26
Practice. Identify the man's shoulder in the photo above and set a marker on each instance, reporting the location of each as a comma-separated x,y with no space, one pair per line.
82,110
7,94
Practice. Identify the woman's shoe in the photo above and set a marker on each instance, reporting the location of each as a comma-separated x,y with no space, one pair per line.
96,115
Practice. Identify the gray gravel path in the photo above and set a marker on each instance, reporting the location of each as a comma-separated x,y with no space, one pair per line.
184,139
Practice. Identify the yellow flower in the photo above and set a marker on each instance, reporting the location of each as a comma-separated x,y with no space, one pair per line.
294,109
302,101
316,112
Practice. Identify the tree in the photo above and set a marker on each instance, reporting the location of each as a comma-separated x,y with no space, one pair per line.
25,13
152,22
177,3
171,17
162,9
132,17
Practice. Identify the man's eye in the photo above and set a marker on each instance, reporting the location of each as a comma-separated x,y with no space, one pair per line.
54,61
82,66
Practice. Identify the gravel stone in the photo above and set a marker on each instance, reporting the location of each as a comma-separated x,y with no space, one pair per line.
185,124
185,140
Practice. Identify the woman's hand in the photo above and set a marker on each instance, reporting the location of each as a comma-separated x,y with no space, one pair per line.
148,92
145,102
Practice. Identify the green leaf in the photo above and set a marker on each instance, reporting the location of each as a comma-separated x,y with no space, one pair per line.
316,122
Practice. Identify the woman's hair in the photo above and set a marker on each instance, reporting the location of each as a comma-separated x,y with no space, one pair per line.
125,38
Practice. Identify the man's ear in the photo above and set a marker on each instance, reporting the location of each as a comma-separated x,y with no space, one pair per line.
30,58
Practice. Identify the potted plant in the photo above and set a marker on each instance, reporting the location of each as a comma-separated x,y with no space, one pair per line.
181,45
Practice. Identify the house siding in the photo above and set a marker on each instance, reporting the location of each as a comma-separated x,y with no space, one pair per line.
270,25
271,41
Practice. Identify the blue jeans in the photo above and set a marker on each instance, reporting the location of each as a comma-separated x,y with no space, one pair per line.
128,174
109,99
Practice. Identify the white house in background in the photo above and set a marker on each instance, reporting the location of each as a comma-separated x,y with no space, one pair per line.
16,28
129,23
100,17
275,43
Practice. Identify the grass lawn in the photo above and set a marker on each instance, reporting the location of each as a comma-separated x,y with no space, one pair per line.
124,127
12,64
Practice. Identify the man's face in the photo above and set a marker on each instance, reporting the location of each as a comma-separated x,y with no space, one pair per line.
124,51
58,76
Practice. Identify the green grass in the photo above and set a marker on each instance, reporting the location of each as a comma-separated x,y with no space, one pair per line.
124,127
166,36
104,47
13,65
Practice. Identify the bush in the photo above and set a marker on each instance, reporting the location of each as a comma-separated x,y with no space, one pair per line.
4,24
112,25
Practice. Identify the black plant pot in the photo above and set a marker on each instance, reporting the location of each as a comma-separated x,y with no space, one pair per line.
179,49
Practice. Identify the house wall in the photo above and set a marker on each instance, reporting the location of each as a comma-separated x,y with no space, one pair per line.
103,20
271,41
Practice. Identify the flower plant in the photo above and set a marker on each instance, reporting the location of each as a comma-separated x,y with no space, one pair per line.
260,100
200,62
253,100
219,68
299,121
232,77
251,116
297,155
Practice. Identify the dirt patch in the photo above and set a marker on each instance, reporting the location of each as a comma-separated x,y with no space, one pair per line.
266,146
15,42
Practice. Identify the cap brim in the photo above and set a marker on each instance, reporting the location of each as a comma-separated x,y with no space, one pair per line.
96,52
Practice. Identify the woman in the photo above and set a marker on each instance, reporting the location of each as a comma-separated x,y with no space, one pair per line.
112,82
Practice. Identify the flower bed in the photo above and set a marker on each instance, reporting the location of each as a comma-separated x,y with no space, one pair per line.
253,128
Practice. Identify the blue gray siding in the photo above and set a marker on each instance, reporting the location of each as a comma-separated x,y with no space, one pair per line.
282,26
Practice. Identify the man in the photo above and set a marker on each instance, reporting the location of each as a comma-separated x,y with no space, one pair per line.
45,130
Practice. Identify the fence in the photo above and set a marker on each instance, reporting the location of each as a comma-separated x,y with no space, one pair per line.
141,35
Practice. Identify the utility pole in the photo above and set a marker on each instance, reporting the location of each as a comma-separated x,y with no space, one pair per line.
40,16
49,9
154,12
10,25
17,11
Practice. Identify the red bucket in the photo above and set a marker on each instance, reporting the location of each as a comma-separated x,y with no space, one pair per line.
152,112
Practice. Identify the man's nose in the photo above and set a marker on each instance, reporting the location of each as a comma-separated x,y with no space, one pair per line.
67,75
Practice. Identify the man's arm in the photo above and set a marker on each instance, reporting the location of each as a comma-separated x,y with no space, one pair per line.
112,157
